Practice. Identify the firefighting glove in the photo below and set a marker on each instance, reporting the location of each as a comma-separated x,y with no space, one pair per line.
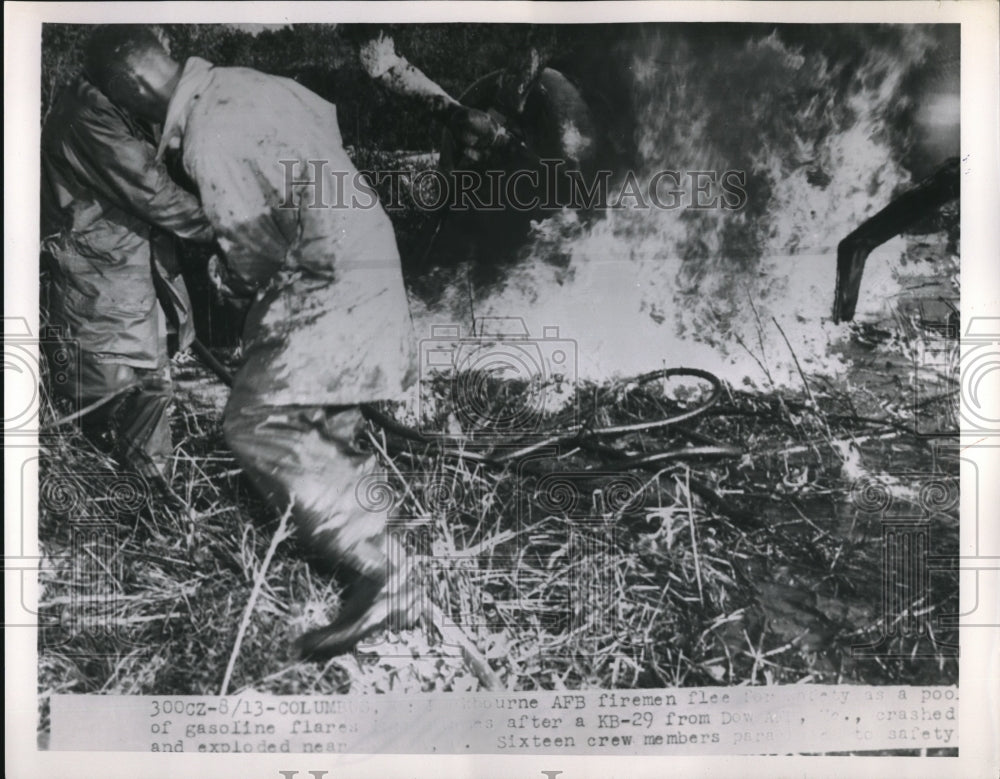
477,133
219,275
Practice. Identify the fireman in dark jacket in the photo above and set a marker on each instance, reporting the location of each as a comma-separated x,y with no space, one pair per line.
110,213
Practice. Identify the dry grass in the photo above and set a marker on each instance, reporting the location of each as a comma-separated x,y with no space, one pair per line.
569,571
763,569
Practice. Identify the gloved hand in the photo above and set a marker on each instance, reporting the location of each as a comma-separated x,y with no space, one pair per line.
218,274
476,133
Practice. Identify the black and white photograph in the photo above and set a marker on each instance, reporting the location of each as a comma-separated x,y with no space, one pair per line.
526,386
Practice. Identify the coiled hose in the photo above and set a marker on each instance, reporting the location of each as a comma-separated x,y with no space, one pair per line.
583,436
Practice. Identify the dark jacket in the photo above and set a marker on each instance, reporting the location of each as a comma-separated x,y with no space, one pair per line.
109,212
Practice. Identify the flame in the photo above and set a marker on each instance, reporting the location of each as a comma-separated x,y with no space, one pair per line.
741,293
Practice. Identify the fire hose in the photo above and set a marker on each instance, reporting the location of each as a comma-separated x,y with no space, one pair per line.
584,436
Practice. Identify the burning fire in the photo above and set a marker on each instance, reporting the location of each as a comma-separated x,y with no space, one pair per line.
734,292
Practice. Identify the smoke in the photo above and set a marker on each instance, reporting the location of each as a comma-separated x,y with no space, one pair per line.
814,124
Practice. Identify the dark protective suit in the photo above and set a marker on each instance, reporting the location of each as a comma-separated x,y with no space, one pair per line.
109,213
329,326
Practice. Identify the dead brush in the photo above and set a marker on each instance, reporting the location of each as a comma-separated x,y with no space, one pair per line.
758,569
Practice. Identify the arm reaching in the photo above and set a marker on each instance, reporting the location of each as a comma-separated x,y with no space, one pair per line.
380,61
474,130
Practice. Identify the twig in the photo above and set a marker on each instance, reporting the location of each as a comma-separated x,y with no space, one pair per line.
694,539
797,366
760,338
834,442
489,544
451,634
656,477
93,406
746,348
279,535
389,461
321,674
